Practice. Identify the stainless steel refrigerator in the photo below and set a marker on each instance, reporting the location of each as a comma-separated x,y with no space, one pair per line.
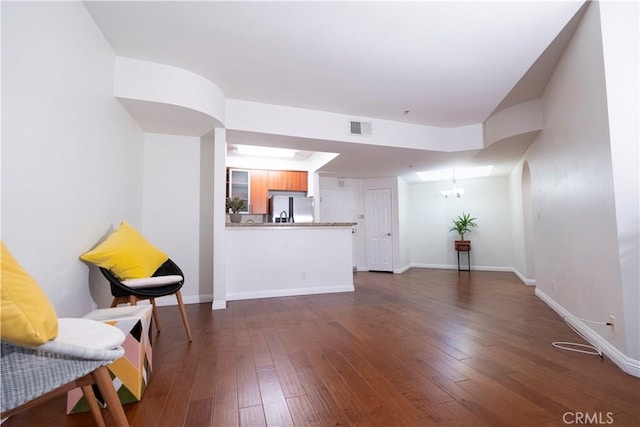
291,209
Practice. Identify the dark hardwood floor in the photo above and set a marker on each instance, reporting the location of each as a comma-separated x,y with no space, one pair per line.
427,347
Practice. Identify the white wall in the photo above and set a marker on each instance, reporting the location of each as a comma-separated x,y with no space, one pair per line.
219,218
576,246
71,155
516,120
281,261
431,217
207,180
164,84
621,53
517,222
283,120
356,184
171,208
522,233
402,261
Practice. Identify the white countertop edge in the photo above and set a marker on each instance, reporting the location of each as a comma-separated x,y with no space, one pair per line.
277,226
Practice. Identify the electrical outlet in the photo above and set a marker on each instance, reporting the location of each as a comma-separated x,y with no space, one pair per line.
612,321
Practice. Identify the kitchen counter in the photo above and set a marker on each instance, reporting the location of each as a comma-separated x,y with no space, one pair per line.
290,224
274,260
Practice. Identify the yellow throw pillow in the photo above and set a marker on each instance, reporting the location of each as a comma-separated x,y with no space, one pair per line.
28,317
127,253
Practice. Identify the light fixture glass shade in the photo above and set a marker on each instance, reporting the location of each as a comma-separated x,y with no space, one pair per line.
456,192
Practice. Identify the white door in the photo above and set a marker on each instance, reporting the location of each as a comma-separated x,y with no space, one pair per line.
339,205
379,238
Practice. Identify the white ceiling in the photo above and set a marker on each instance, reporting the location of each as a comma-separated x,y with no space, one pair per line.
448,63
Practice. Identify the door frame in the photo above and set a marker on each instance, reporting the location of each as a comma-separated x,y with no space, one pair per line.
368,236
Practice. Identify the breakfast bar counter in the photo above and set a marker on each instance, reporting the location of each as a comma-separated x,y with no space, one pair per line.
291,224
272,259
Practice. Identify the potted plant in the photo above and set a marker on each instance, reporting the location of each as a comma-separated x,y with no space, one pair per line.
236,205
463,224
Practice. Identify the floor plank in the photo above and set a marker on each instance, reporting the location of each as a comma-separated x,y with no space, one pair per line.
252,416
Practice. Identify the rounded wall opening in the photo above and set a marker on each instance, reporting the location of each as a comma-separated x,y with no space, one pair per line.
528,216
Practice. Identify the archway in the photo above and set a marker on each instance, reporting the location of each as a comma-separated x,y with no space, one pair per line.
528,217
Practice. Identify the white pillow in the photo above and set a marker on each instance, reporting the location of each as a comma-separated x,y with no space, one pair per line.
150,282
86,339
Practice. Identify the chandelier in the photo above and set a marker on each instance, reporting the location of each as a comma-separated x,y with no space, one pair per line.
455,191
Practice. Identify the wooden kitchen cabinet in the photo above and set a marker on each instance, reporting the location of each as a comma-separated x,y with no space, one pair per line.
276,180
298,180
287,180
259,191
253,185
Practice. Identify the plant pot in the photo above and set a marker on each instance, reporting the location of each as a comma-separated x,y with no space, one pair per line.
235,218
462,245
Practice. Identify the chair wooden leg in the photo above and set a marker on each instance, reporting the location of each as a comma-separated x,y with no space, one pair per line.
183,313
87,390
155,313
103,380
122,300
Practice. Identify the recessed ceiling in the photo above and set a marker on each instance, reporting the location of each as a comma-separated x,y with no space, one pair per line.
298,155
448,63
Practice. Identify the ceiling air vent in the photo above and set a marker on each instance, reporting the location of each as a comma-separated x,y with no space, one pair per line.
360,128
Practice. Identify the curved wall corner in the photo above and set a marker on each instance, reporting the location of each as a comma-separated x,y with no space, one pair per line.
158,117
516,120
150,90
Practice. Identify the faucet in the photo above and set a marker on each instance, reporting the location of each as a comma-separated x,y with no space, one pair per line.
285,216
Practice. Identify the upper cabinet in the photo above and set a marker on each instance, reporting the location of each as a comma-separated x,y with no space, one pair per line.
238,185
288,180
259,191
253,185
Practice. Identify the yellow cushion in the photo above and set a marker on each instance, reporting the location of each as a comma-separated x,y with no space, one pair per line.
28,317
127,253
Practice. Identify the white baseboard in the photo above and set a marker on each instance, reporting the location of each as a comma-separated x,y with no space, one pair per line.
627,364
455,267
288,292
192,299
528,282
219,305
187,299
402,269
